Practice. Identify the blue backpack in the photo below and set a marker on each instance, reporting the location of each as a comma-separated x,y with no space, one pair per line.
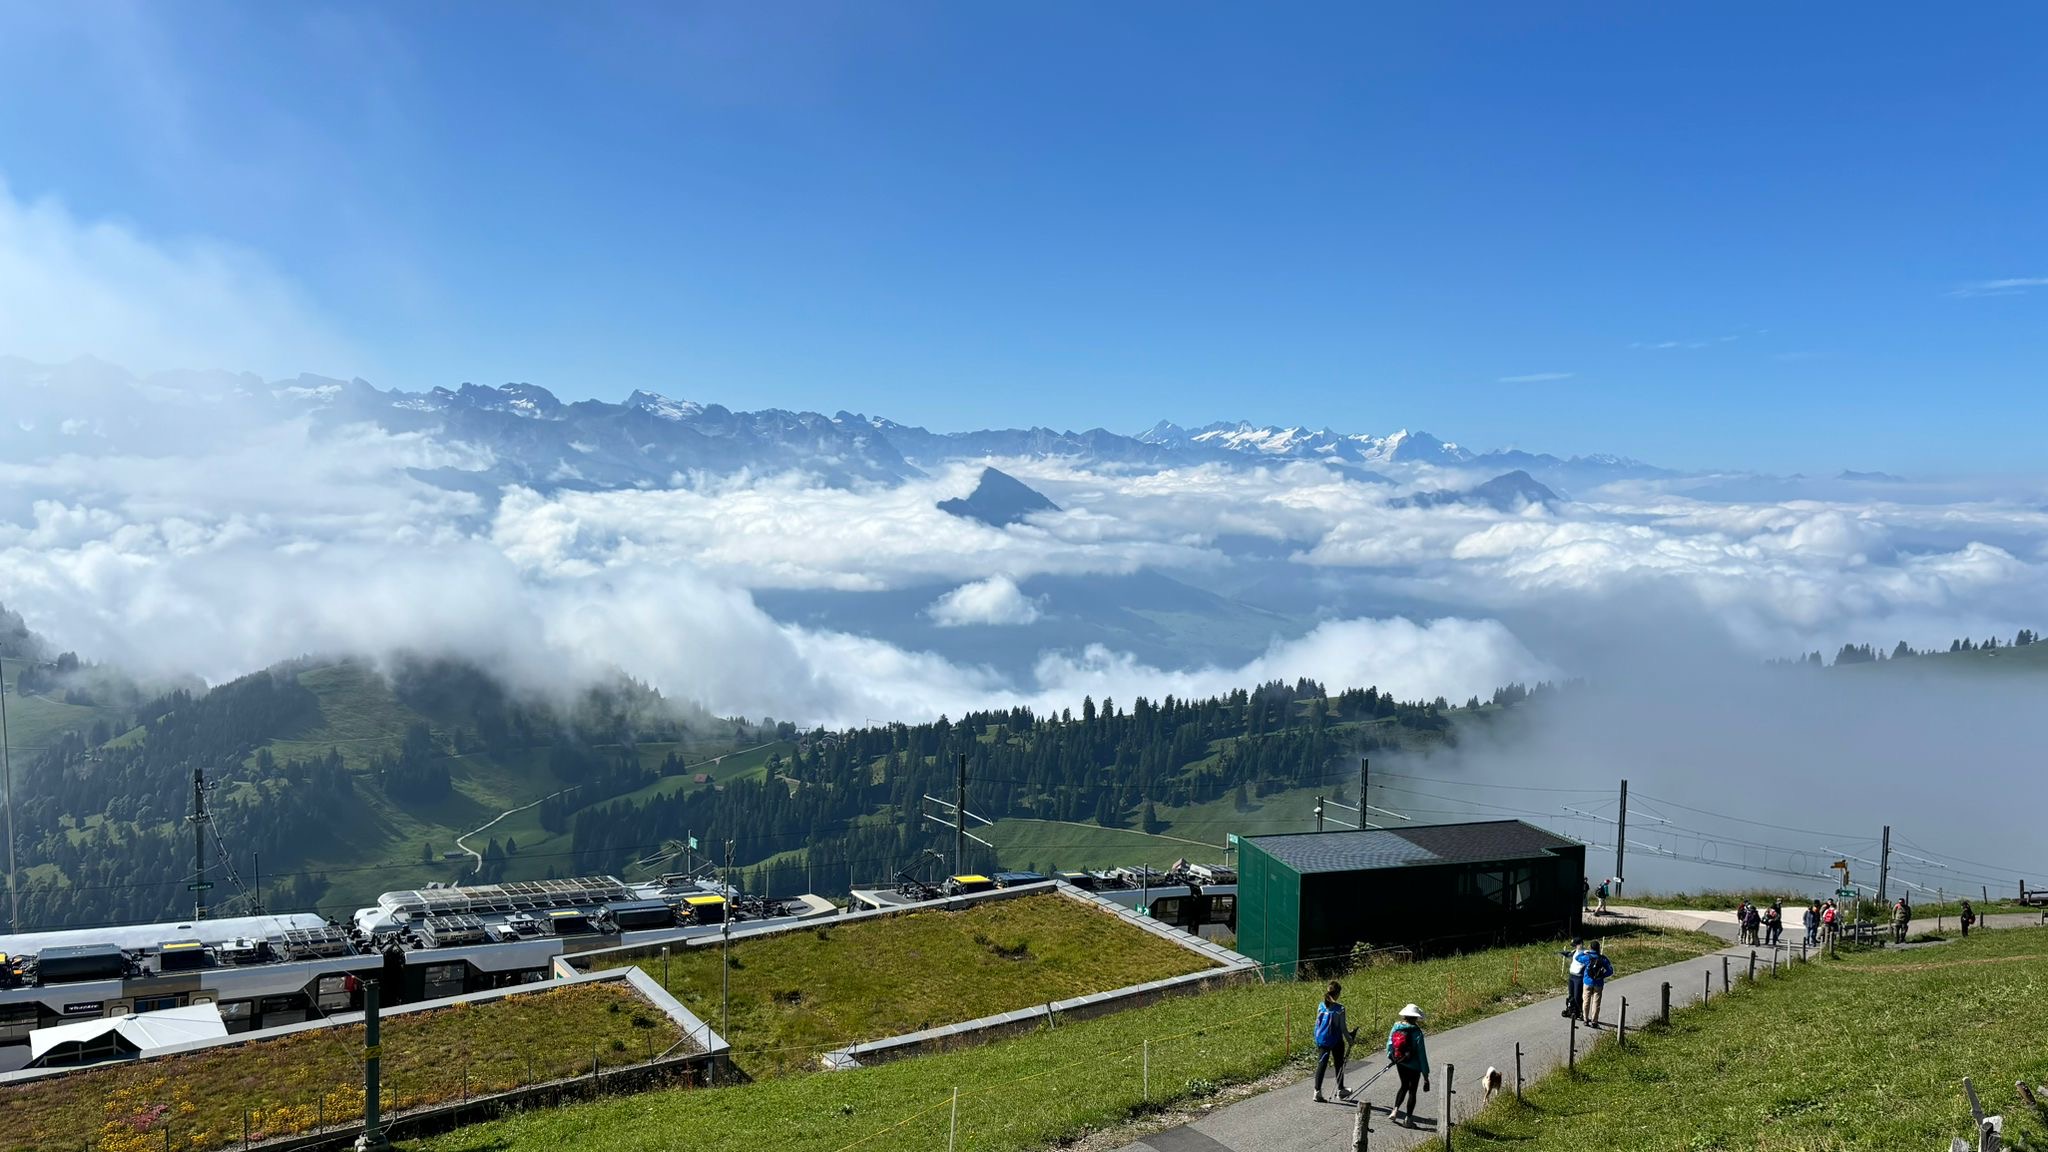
1329,1024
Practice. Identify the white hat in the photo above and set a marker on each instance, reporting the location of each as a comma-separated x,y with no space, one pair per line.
1411,1012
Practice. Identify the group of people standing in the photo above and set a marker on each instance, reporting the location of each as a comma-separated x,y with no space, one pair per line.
1586,973
1762,926
1407,1054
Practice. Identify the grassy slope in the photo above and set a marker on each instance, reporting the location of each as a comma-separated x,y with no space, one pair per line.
1033,1090
799,994
291,1082
34,721
1866,1052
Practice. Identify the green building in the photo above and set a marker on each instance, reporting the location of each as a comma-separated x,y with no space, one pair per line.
1311,896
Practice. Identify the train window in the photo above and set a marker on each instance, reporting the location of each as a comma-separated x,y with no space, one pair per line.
1167,909
155,1003
17,1021
233,1010
444,980
1222,909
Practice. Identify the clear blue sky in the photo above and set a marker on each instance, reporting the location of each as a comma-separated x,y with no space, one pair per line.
1721,235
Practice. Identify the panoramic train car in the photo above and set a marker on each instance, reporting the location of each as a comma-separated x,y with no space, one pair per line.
426,944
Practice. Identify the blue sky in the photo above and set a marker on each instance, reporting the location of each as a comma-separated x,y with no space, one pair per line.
1751,237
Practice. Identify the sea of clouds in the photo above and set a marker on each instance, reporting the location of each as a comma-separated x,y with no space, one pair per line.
253,540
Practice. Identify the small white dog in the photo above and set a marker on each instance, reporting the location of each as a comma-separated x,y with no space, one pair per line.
1492,1082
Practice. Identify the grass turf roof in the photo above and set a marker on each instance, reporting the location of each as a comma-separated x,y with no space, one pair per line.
800,993
290,1083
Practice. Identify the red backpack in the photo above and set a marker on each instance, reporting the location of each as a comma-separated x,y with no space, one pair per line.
1401,1045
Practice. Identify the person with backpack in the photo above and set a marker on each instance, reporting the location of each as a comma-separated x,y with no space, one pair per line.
1813,924
1774,923
1574,977
1968,916
1599,969
1410,1058
1600,895
1902,920
1829,921
1332,1040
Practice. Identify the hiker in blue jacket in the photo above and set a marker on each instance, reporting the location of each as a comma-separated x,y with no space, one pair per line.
1410,1058
1598,970
1574,977
1332,1039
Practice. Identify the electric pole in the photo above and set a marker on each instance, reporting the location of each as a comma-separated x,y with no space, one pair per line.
1884,863
1364,797
960,820
1620,837
199,819
7,775
726,952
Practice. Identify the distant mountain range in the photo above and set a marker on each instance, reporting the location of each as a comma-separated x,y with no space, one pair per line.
650,440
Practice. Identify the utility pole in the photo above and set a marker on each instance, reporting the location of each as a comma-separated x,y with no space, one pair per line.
199,819
7,775
960,820
1364,797
1620,837
1884,864
256,881
725,953
1319,814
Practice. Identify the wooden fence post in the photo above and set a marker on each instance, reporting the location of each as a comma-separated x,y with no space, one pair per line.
1450,1090
1518,1071
1622,1036
1667,1002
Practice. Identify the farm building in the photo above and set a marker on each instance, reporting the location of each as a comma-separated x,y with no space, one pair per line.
1311,896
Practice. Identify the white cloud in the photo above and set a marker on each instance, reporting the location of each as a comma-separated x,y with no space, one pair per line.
995,600
2010,286
71,287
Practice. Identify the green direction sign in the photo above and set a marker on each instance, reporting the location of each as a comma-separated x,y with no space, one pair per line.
1144,909
1846,893
201,886
1233,840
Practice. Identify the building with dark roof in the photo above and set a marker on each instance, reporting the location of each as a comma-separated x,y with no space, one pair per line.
1312,896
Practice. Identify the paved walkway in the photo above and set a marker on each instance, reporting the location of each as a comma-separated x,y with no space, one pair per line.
1288,1119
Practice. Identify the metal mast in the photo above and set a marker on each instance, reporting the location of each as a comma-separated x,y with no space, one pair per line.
199,819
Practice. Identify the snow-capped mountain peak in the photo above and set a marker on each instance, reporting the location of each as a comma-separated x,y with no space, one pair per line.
657,405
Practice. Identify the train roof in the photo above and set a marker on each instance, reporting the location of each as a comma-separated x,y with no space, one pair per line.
133,937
